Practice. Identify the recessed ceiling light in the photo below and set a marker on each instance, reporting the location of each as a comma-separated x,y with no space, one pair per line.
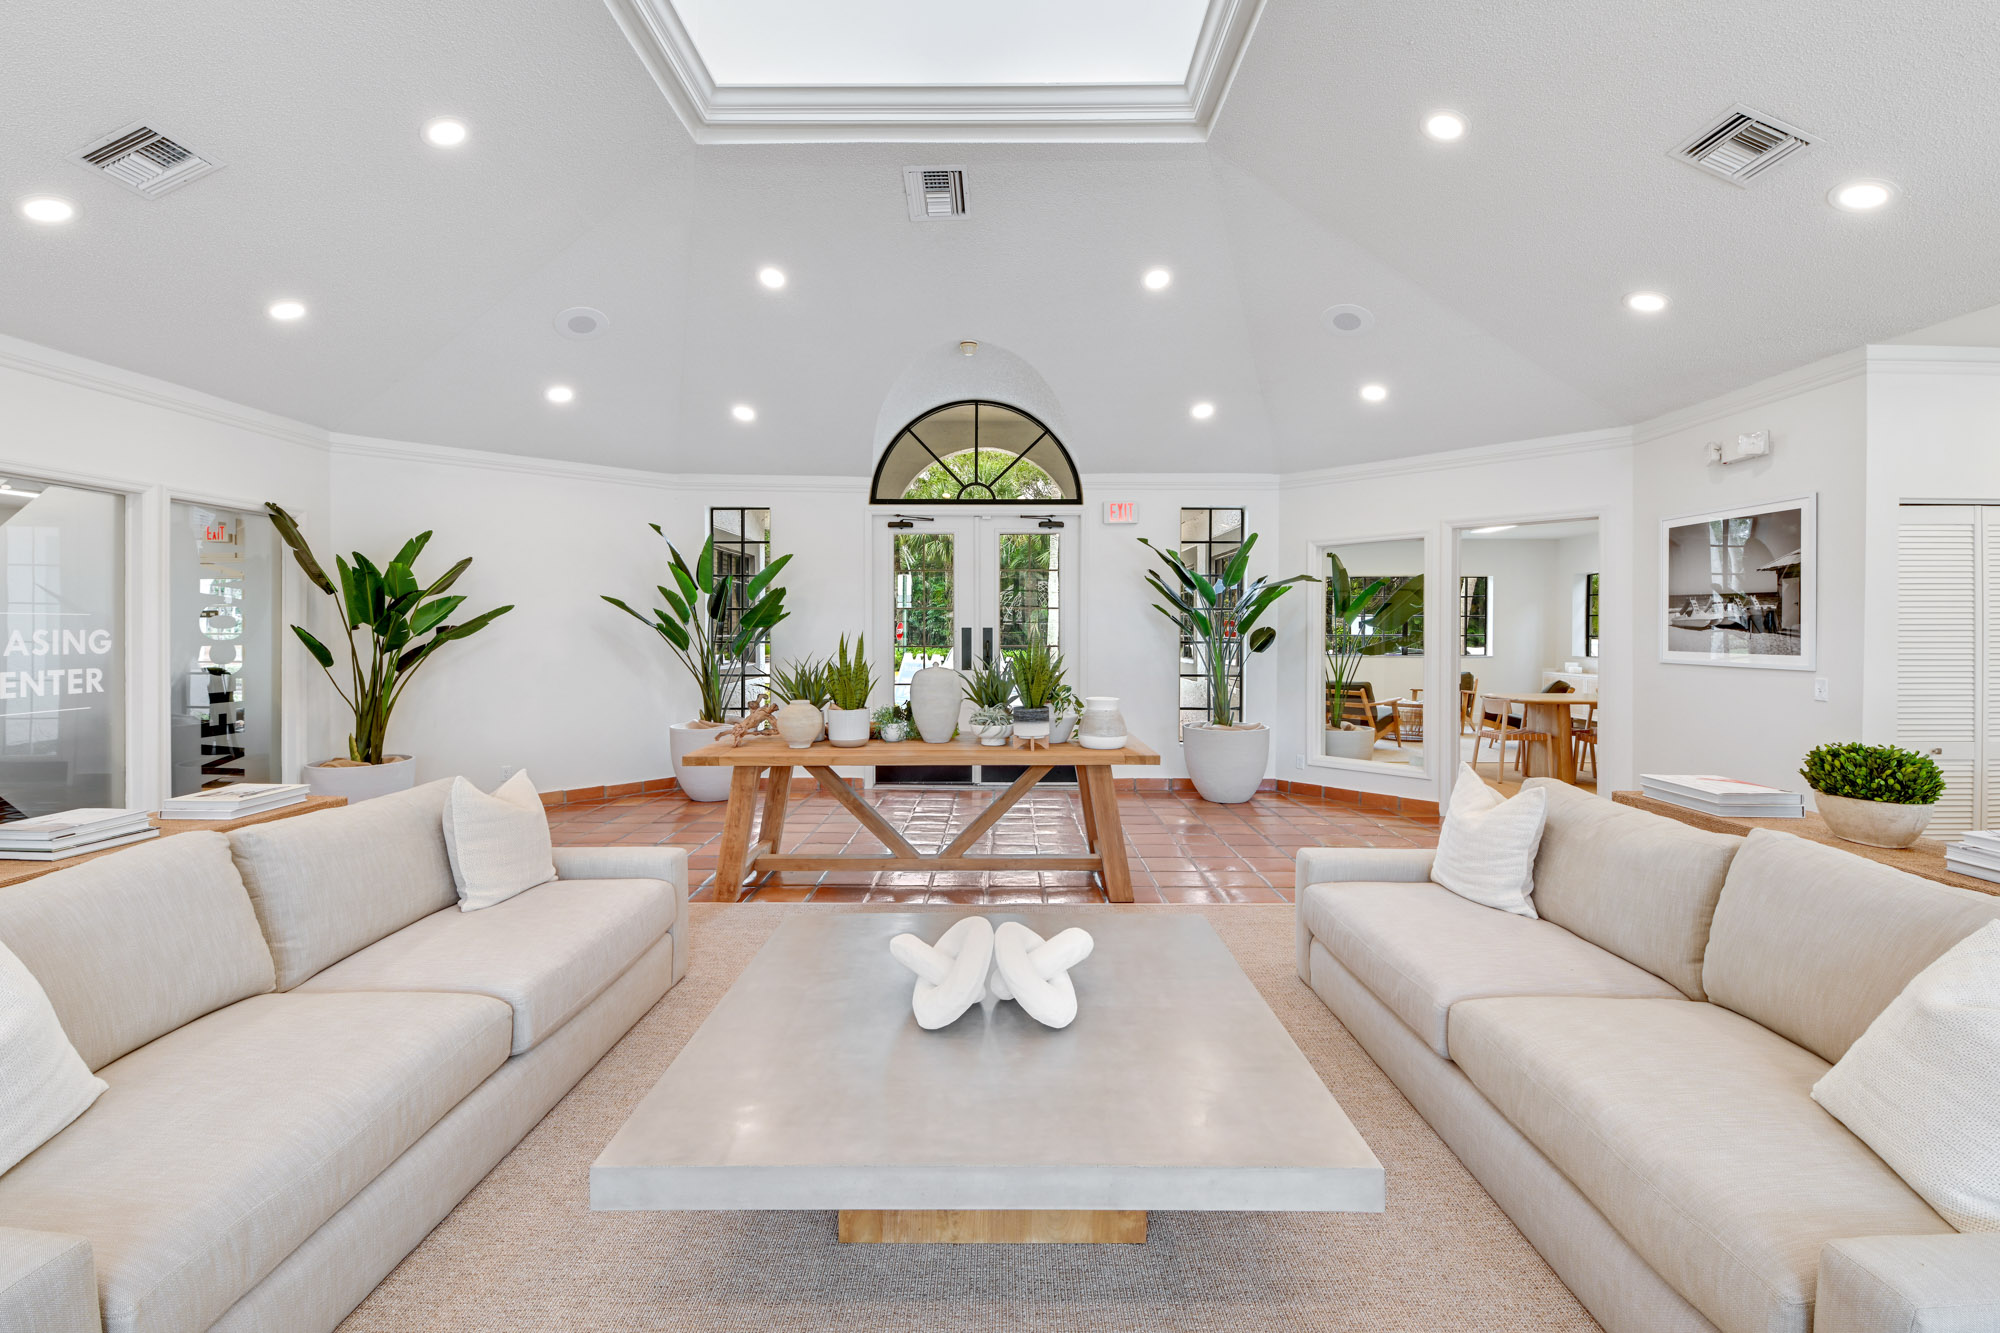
1156,279
559,393
1444,126
773,278
288,310
1374,393
1497,527
47,208
1202,411
1862,196
1646,303
445,133
743,412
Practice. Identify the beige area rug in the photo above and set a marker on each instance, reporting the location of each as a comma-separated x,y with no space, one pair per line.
524,1252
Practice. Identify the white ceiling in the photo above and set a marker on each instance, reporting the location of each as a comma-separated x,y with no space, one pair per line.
1494,266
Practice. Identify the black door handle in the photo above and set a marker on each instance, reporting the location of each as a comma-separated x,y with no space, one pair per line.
965,649
988,632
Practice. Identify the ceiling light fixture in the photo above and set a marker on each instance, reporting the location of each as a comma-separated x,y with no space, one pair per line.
1202,411
287,311
968,347
1374,393
445,133
1497,527
773,278
743,412
559,393
47,209
1862,196
1156,279
1444,126
1646,303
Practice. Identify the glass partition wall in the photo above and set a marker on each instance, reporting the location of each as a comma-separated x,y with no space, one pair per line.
225,637
1373,706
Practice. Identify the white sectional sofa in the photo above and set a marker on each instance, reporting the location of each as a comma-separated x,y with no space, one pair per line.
1630,1075
312,1056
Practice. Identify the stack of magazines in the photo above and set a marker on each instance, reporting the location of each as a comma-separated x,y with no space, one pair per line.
234,801
71,833
1977,855
1728,797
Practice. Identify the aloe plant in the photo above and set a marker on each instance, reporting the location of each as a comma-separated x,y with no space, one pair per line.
849,678
989,686
1219,616
397,612
1389,625
801,682
693,621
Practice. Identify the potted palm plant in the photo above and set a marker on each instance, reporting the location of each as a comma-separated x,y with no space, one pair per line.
849,682
1348,640
710,621
395,612
1036,673
1218,616
1876,795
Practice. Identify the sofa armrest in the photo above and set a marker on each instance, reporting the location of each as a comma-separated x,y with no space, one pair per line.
1350,865
667,863
48,1283
1941,1283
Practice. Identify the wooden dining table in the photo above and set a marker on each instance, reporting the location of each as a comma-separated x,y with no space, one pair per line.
1549,715
738,857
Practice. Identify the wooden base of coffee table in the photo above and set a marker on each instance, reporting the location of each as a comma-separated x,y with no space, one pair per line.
1014,1226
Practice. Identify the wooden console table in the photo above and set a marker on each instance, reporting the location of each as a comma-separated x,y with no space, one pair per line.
16,872
1925,860
1103,833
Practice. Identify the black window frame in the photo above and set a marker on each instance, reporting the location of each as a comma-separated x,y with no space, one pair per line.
1047,436
1475,607
1212,553
1592,588
737,560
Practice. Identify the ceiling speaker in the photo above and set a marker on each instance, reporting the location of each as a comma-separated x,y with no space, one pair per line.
1347,321
580,321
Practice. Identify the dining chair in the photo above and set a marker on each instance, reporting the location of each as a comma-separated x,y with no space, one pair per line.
1583,738
1498,721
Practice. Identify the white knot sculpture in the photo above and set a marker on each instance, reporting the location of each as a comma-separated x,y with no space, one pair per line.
953,974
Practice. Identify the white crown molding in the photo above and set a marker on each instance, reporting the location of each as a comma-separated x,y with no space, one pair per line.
1039,113
1450,460
1912,359
1814,375
83,373
439,455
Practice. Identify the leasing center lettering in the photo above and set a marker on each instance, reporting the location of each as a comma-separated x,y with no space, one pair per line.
56,681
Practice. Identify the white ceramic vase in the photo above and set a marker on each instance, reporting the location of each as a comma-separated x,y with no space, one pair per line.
362,782
847,727
1873,823
1355,744
1061,726
935,693
799,723
1102,726
707,783
1226,764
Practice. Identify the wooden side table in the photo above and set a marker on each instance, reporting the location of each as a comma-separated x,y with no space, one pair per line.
17,872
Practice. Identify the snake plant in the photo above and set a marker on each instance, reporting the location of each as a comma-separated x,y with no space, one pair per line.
849,678
1218,616
397,612
1036,672
700,608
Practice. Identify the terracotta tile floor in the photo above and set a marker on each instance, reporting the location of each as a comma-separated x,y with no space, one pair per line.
1182,849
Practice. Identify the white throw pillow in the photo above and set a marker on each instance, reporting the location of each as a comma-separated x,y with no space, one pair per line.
1922,1085
44,1083
498,844
1486,849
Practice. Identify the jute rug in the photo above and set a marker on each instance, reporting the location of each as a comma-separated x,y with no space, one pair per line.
524,1252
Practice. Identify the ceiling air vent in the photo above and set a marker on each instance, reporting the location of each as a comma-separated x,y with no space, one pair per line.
144,161
934,192
1741,144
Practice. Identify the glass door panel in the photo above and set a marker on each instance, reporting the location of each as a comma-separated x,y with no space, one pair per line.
223,717
924,597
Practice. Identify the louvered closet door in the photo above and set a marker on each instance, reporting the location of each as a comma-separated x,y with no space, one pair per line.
1988,813
1939,651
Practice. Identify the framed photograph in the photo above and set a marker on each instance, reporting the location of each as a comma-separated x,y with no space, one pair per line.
1739,587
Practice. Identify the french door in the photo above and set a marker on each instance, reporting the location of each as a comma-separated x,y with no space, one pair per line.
964,588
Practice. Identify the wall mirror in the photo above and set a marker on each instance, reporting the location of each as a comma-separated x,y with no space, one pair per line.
1373,706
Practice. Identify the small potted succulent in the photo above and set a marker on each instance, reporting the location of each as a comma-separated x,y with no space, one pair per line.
993,722
890,724
1034,671
849,682
1876,795
987,687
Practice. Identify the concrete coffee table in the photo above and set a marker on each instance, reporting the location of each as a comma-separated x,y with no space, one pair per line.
812,1087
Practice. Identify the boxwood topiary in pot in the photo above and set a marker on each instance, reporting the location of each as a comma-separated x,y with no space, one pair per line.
1876,795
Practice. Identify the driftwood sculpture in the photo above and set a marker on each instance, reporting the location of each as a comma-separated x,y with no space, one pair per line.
752,722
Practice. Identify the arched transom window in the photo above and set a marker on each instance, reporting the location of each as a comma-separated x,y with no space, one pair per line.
975,453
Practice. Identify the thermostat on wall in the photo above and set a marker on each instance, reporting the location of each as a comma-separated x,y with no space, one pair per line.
1121,511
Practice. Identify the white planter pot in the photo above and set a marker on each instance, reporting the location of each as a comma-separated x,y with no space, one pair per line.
1060,727
697,784
935,693
799,723
1355,744
847,727
1226,763
1873,823
363,782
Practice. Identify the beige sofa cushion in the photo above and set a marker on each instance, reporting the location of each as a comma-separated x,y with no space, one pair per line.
223,1145
1421,948
1694,1132
135,944
1641,885
327,884
1813,942
547,952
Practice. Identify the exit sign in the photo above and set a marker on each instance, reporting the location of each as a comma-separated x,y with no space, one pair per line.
1121,511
